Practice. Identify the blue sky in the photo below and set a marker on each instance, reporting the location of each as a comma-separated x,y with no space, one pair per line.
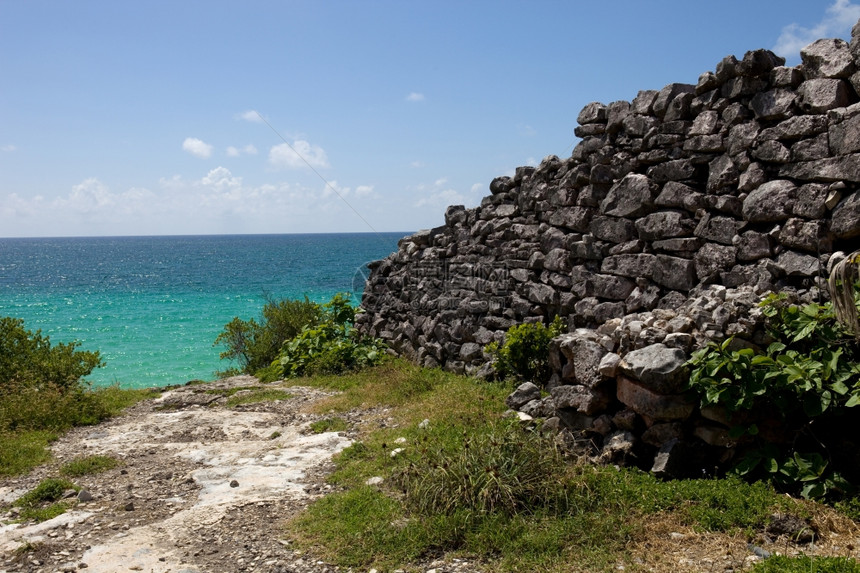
141,118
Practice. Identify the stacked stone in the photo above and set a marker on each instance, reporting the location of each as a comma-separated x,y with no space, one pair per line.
750,177
623,383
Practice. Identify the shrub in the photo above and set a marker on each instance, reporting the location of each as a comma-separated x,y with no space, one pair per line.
810,373
331,346
27,359
255,345
525,353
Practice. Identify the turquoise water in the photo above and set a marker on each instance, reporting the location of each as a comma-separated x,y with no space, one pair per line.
152,306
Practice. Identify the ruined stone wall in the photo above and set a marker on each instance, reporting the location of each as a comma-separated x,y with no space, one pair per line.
671,218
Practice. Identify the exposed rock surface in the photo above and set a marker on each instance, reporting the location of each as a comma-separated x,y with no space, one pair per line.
199,488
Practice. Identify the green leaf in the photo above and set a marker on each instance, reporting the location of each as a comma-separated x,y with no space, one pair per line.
813,490
804,332
775,347
852,401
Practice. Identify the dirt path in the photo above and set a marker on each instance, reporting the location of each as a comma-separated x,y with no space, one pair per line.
201,488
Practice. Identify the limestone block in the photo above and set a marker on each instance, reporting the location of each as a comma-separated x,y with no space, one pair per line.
845,222
795,264
842,168
810,236
822,94
771,151
774,104
811,149
713,258
583,353
676,170
753,246
657,367
594,112
663,225
845,137
630,197
525,393
827,58
655,406
719,229
674,273
676,194
722,173
771,201
588,401
612,229
634,265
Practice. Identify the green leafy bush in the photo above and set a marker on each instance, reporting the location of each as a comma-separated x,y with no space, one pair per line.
525,353
254,345
27,359
809,373
330,346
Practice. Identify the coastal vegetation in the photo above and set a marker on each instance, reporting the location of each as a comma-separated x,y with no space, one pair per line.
298,337
450,472
807,380
43,392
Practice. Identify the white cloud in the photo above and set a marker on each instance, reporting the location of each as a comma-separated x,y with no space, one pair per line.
442,199
8,148
197,148
250,115
416,164
837,22
363,190
532,162
415,96
236,152
301,154
441,181
477,187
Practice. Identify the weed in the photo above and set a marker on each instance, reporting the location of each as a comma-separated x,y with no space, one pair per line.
88,465
42,502
255,396
806,564
329,425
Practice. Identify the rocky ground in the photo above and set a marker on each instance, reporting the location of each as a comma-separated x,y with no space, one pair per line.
206,488
201,488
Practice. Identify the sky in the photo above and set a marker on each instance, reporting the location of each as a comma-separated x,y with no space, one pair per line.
292,116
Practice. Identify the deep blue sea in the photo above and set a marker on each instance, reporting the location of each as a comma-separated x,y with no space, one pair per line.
152,306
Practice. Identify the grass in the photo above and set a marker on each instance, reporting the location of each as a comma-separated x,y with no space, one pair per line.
31,419
329,425
43,502
260,395
806,564
470,481
88,465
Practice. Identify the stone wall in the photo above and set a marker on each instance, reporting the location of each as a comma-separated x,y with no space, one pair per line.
675,213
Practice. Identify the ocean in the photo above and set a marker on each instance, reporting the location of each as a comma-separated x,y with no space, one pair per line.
152,306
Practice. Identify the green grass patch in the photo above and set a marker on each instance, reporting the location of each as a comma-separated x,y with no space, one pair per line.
255,396
43,502
23,450
806,564
329,425
471,481
88,465
228,392
31,418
